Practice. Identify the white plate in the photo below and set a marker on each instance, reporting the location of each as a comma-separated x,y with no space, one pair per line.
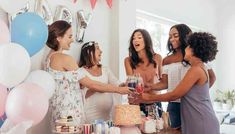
65,123
56,132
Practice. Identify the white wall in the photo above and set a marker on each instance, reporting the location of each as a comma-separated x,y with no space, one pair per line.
225,57
200,13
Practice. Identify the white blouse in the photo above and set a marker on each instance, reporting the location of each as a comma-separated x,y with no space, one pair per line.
176,72
100,105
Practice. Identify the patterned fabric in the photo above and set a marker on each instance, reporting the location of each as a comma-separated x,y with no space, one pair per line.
67,98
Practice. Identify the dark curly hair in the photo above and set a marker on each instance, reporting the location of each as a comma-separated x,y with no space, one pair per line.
204,45
183,31
134,58
56,29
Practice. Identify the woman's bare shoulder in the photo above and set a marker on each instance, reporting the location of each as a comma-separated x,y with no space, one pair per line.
167,60
127,60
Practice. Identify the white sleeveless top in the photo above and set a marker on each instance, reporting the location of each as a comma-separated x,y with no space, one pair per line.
100,105
176,72
67,98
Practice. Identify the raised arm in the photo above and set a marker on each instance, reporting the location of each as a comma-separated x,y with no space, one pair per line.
191,78
128,68
162,84
101,87
158,60
212,77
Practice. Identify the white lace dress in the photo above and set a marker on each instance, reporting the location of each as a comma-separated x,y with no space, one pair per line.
67,98
100,105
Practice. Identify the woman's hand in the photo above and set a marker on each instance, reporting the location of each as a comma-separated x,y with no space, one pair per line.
146,97
147,87
122,84
123,90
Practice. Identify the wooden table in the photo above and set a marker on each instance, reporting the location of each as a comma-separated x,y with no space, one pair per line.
168,131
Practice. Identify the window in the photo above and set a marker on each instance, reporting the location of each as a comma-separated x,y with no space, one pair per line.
159,33
158,27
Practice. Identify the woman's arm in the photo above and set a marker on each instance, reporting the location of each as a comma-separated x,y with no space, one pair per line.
158,60
163,84
212,77
190,79
128,68
101,87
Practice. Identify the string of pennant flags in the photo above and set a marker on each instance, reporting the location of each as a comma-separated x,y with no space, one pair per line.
93,3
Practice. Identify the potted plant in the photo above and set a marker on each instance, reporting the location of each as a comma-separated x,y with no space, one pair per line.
228,99
218,100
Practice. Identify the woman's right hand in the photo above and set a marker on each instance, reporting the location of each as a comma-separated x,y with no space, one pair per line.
123,90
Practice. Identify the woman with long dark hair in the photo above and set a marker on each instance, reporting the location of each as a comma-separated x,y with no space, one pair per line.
144,61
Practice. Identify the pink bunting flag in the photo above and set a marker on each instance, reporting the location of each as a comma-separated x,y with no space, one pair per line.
93,3
109,2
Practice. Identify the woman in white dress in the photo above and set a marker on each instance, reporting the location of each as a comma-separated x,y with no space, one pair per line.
67,98
98,105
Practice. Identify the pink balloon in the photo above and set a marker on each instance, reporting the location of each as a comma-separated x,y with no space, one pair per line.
4,33
3,98
26,102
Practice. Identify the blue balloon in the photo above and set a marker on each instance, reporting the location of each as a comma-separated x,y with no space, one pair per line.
2,119
30,31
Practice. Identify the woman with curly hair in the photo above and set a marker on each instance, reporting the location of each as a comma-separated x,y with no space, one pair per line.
197,114
174,69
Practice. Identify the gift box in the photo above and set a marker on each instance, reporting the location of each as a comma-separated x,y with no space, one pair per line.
114,130
148,125
101,127
160,123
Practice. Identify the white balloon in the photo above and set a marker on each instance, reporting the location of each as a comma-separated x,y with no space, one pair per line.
15,64
44,80
12,6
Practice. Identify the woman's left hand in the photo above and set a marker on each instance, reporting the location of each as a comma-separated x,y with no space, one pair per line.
146,97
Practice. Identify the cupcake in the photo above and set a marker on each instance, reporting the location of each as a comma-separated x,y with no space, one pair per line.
69,119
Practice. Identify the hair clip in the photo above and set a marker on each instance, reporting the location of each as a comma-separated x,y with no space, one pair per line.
88,44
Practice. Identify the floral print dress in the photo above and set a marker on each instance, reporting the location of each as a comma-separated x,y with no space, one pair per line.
67,97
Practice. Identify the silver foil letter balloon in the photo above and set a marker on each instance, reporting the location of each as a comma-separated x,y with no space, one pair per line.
82,23
42,8
63,13
23,10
